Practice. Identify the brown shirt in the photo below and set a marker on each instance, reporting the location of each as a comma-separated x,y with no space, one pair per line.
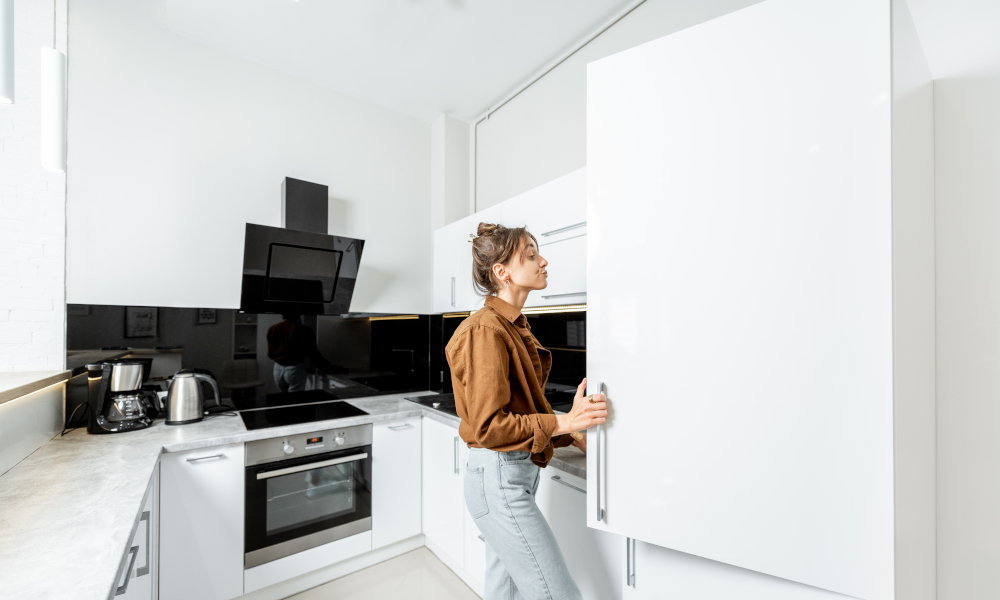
498,371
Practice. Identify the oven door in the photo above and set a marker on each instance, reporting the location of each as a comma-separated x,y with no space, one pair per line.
293,505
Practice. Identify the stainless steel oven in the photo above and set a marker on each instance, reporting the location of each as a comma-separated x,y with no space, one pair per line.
306,490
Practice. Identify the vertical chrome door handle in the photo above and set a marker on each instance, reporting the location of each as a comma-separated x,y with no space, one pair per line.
597,460
456,455
630,562
141,571
453,292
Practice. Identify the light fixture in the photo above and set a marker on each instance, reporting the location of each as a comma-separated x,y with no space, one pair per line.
6,51
53,105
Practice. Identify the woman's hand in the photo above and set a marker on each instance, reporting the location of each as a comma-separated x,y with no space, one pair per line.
587,412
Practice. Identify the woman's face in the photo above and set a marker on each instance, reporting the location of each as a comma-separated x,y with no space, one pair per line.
527,270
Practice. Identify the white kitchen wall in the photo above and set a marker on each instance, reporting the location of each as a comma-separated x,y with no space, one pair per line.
449,170
175,145
32,209
967,143
541,134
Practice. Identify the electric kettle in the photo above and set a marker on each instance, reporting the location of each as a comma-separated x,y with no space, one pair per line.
185,402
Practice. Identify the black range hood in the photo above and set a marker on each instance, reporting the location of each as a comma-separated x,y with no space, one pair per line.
289,271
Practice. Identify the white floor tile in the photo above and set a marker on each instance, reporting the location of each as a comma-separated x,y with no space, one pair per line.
417,575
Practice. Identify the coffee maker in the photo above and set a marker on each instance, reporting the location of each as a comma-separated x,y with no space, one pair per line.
118,402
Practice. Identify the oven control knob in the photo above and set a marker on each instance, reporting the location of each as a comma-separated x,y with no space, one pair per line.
288,448
339,440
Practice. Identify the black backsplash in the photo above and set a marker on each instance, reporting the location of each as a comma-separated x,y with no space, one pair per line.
384,355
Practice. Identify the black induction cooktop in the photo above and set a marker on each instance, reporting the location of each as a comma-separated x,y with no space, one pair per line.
293,415
286,399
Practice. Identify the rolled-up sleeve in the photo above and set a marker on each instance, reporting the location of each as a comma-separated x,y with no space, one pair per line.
480,360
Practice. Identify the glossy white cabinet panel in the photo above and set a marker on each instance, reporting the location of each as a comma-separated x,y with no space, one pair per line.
661,573
307,561
201,524
443,500
592,556
138,572
474,551
740,256
445,270
567,268
395,481
553,211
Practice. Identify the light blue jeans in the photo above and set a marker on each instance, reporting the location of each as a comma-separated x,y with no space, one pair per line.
523,560
292,378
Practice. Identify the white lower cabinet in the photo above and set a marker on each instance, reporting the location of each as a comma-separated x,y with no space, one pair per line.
443,501
395,481
201,524
138,571
593,557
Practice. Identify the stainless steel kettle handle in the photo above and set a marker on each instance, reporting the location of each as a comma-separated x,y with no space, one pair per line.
215,387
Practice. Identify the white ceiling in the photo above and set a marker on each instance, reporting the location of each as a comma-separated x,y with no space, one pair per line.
419,57
960,37
428,57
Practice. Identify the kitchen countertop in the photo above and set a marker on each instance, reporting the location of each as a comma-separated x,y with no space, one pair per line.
15,385
67,510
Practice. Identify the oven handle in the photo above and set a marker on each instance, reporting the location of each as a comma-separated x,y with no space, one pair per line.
310,466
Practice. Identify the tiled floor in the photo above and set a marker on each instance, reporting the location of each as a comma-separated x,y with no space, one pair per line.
417,575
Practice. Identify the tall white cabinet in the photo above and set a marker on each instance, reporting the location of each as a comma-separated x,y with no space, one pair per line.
761,295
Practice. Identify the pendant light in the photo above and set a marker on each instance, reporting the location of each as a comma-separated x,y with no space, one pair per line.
6,51
53,105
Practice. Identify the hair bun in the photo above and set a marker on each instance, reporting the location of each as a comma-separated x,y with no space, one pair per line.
487,229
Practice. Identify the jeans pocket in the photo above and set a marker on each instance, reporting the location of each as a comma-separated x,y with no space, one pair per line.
475,492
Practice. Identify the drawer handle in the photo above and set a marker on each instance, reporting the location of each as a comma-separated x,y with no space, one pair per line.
562,229
564,295
398,427
123,588
191,460
144,570
559,479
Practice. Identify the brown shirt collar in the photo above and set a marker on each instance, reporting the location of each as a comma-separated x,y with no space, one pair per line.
506,309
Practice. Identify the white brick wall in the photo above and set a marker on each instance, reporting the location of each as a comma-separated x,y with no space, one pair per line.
32,209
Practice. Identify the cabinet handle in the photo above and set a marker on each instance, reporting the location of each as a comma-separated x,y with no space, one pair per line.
597,459
398,427
559,479
144,570
453,292
134,550
562,229
481,538
456,455
196,459
630,562
564,295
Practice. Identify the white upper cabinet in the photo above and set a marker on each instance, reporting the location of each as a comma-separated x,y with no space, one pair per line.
556,213
761,298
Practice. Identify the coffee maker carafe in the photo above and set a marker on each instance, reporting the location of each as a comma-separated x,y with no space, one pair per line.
117,401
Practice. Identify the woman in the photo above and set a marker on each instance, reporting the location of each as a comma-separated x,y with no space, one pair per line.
498,372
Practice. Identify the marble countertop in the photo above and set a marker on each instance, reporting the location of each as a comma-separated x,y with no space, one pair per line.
15,385
67,510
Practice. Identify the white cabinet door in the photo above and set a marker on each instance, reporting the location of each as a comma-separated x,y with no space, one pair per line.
552,211
138,571
443,501
201,524
395,481
593,557
567,270
740,255
445,281
661,573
